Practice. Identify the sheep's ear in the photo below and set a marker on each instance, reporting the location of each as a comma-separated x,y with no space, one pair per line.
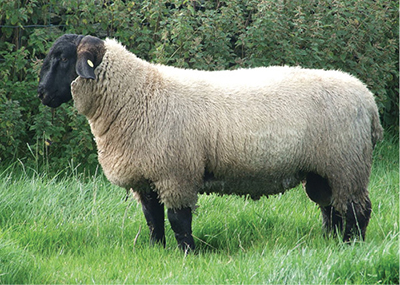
90,52
85,66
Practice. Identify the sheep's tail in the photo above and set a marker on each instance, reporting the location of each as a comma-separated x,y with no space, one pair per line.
376,129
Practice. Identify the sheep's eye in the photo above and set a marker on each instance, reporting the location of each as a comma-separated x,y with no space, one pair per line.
64,59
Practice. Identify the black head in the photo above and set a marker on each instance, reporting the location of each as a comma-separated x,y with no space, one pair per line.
70,56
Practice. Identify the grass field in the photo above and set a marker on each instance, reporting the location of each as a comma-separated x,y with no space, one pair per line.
80,230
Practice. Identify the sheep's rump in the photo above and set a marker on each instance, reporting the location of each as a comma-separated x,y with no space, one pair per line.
249,131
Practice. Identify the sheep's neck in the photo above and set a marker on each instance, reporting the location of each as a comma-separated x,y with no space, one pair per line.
128,104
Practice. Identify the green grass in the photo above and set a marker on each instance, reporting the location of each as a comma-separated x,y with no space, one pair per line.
80,230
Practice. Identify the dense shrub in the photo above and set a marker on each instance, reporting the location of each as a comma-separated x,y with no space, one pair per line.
357,36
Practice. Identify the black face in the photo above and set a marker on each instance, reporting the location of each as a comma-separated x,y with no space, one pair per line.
58,71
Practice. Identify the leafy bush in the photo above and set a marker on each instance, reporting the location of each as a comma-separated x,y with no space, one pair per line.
11,124
357,36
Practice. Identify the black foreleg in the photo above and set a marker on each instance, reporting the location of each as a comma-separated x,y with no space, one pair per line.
154,213
181,224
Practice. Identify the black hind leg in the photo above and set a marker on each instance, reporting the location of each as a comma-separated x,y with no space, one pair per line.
357,219
332,220
320,192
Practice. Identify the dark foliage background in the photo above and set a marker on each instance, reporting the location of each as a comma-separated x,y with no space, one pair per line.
356,36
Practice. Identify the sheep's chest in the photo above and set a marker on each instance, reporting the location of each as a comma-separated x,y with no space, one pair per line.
118,164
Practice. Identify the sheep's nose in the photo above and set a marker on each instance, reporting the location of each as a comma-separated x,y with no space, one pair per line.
40,91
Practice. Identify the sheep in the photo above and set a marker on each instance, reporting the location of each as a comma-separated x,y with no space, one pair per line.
171,134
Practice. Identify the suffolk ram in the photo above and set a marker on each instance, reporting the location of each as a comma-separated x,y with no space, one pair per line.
170,133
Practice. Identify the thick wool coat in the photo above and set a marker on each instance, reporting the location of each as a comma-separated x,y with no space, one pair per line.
248,131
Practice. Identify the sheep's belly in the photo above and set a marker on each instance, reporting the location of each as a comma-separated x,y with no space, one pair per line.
254,187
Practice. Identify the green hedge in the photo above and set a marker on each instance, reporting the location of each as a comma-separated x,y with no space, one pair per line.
357,36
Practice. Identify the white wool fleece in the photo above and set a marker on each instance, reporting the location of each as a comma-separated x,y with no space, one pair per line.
258,131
